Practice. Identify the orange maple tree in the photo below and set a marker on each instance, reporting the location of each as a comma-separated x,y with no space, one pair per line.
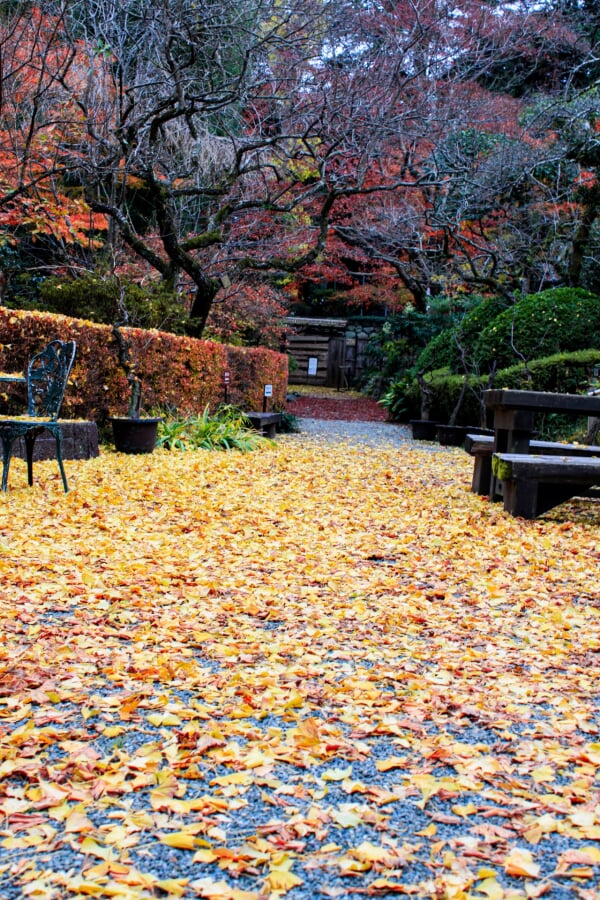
38,122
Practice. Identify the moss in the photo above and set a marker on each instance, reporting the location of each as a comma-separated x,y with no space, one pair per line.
501,468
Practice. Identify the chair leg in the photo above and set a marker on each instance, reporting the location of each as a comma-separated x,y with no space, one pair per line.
30,437
7,446
60,460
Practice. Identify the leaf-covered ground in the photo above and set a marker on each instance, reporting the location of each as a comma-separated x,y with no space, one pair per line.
325,403
305,672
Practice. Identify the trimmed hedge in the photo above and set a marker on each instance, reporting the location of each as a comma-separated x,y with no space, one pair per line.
181,373
562,373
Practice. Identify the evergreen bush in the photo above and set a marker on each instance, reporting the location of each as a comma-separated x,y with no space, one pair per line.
447,348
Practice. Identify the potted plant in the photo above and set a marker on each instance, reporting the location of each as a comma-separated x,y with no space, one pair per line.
132,433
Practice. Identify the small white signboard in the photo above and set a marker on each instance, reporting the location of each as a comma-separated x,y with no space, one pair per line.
226,377
312,365
268,390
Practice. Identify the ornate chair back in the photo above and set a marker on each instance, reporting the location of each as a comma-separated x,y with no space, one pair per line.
47,376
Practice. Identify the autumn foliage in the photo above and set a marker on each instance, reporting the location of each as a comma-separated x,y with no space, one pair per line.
181,373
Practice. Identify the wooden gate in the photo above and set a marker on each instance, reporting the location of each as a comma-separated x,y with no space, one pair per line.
336,363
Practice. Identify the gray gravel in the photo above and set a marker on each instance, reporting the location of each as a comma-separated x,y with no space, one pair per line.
371,434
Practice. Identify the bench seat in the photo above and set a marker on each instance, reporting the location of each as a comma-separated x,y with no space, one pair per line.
266,422
534,484
482,447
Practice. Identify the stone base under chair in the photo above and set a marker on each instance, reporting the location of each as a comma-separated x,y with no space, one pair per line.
80,441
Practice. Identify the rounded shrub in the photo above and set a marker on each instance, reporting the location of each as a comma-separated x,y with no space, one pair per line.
539,325
440,352
447,348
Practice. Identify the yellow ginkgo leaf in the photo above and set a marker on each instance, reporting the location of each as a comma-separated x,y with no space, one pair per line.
180,839
520,862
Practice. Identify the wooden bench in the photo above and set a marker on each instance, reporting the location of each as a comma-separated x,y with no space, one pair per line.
481,447
266,422
534,484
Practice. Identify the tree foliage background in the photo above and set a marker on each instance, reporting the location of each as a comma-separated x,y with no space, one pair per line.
246,155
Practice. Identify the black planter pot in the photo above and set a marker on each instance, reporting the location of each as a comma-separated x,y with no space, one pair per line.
454,435
423,429
135,435
451,435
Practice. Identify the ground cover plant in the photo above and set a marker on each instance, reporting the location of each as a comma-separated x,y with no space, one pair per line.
267,675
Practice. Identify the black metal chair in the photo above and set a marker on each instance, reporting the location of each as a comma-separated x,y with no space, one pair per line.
47,375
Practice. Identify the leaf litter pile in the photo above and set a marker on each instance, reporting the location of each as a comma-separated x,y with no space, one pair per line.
303,672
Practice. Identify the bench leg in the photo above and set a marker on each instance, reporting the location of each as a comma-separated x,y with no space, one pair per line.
521,498
529,499
271,430
551,495
59,457
482,475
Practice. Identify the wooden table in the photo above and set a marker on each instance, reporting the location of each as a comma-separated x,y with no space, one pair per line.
536,482
514,413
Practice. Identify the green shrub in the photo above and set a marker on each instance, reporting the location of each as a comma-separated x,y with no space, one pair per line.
553,321
402,339
97,299
288,424
445,349
440,353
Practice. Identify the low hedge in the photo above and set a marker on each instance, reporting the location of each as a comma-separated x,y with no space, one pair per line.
562,373
181,373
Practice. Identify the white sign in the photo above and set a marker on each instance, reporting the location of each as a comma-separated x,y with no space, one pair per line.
312,365
268,390
226,377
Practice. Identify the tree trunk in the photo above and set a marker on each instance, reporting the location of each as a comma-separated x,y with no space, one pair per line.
201,307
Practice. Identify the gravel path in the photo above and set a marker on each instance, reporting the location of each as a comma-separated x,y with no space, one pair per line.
371,434
374,434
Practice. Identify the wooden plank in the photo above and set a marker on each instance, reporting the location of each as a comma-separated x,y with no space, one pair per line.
577,469
534,484
477,444
543,401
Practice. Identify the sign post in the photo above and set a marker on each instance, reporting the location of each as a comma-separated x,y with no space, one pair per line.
268,392
225,387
